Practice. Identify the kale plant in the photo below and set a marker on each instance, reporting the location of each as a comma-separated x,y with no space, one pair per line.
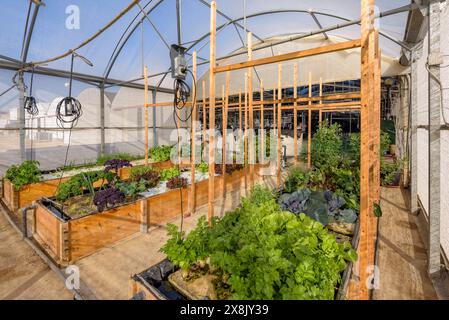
323,206
76,184
108,198
131,189
116,164
148,174
176,183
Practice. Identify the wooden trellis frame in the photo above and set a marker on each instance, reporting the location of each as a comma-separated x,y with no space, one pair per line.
369,115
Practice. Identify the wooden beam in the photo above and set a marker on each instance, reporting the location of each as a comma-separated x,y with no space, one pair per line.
309,126
367,7
204,115
315,107
295,112
375,141
279,114
223,149
218,104
225,130
192,193
262,153
347,45
212,50
145,97
250,111
321,101
245,133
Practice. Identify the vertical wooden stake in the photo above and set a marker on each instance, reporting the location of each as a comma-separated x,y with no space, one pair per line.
274,119
251,112
309,126
295,112
211,190
321,101
240,111
225,129
245,133
262,153
192,193
279,144
204,115
145,81
367,86
223,138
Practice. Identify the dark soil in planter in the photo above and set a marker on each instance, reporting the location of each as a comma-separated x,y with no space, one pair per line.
77,207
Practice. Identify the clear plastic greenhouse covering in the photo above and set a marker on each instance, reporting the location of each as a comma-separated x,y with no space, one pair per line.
121,51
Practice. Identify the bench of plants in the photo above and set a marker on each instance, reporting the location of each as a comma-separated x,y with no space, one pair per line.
258,251
25,183
97,208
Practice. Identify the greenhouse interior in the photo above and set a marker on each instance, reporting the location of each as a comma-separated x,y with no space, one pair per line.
224,150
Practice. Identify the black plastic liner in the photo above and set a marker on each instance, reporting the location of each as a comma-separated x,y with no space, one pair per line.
155,279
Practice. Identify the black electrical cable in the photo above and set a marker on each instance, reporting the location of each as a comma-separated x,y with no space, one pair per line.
69,115
30,102
181,95
69,109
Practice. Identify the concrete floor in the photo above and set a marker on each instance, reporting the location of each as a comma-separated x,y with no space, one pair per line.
402,258
23,274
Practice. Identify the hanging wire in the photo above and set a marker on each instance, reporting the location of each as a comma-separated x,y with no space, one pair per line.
30,102
69,109
181,95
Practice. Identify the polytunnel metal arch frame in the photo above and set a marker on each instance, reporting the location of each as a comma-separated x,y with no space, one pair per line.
21,66
312,13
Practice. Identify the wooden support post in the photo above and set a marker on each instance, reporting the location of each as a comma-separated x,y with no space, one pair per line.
225,129
309,126
245,133
192,193
223,149
250,112
213,39
144,216
145,97
262,153
274,118
279,144
240,111
321,101
204,115
367,87
295,112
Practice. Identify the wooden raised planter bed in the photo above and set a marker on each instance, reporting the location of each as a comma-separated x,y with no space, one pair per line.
15,200
66,240
165,207
154,283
